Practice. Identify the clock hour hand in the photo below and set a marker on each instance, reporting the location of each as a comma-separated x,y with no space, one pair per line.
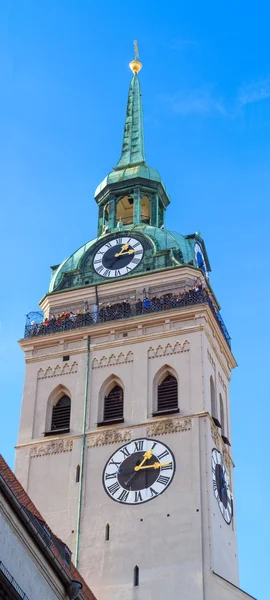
122,251
147,455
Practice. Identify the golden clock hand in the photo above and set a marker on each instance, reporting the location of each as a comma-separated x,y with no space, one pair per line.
155,465
146,456
128,252
124,247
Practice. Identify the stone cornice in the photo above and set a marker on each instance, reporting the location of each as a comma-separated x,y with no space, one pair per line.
112,434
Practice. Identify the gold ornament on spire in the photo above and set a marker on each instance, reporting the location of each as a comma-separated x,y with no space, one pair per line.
135,64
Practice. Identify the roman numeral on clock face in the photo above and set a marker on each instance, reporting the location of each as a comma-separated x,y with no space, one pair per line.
163,454
125,451
138,497
139,445
110,475
167,467
114,488
113,462
123,496
162,479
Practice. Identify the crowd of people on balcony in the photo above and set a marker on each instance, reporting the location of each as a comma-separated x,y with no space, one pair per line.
119,310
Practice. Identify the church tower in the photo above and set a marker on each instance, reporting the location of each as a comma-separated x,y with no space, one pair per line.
125,437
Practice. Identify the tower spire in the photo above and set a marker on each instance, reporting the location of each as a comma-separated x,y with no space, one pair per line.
133,140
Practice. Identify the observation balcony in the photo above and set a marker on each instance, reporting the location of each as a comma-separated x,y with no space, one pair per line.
123,309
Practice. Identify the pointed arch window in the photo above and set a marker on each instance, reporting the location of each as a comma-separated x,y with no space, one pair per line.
61,416
113,410
167,395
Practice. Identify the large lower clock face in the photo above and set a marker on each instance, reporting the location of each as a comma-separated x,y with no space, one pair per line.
221,486
118,257
139,471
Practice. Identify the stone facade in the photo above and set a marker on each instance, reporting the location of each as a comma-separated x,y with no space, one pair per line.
180,537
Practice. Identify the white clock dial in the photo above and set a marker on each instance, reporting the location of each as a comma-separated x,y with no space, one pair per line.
199,258
118,257
139,471
221,486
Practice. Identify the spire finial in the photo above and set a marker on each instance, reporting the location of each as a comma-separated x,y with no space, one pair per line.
135,64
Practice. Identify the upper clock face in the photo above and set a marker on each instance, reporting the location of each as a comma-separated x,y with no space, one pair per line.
221,486
139,471
199,258
118,257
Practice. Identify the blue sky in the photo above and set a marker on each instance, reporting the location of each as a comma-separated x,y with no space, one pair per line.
206,97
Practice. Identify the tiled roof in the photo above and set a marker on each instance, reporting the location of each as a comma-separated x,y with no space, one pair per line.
22,497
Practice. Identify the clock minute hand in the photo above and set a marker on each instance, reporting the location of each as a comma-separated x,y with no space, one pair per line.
155,465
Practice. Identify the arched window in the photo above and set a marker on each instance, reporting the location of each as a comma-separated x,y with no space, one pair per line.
113,410
213,397
222,416
107,532
124,210
61,415
78,472
167,395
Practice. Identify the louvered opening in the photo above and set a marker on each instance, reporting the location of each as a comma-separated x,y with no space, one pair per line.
114,405
61,415
167,400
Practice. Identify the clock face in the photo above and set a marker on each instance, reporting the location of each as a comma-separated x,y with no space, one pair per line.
199,258
118,257
139,471
221,486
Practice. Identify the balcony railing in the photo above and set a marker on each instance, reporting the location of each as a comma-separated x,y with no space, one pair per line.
11,582
123,310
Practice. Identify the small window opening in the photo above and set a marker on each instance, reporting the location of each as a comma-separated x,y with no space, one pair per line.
107,532
78,472
65,358
222,417
125,334
136,576
106,213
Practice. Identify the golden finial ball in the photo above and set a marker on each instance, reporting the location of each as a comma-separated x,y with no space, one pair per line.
135,66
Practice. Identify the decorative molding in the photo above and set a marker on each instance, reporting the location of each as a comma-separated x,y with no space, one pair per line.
215,435
108,437
219,444
53,447
211,360
66,369
168,426
168,349
109,361
222,382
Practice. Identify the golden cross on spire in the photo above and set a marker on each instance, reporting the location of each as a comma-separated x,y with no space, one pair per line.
136,51
135,64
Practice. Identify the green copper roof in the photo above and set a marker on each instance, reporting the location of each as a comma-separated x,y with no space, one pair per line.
133,140
128,173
